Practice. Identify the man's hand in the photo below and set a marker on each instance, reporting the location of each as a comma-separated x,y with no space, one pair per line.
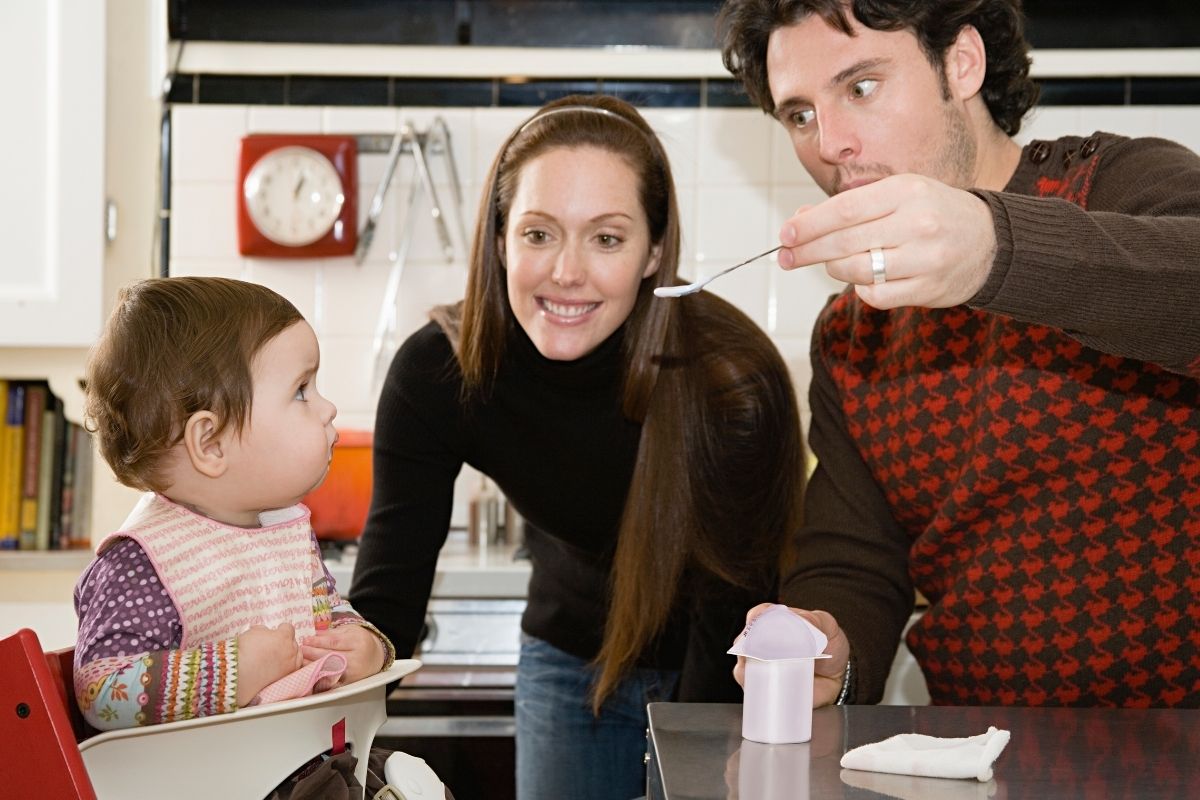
938,242
827,672
364,653
264,656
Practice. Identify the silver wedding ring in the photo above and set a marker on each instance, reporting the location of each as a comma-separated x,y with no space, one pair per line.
878,265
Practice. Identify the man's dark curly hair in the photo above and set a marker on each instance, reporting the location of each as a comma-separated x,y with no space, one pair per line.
1007,88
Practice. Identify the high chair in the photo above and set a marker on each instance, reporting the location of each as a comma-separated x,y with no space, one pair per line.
245,754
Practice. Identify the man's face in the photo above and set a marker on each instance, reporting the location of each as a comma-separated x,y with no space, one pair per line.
859,108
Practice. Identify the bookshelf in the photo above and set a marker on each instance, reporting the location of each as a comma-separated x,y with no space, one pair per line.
60,369
46,469
27,561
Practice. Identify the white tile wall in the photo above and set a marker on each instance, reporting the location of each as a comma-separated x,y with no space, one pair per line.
737,181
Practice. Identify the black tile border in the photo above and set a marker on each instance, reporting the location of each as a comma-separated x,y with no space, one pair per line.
657,93
240,89
540,92
302,90
1165,91
443,92
1083,92
323,90
726,94
183,89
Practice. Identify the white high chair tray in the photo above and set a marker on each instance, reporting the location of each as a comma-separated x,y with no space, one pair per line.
242,754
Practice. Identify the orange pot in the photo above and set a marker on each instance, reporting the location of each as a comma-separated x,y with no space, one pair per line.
339,505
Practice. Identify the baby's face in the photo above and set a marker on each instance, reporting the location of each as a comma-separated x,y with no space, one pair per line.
286,446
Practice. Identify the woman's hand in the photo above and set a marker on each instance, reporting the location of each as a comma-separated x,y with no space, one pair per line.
364,653
264,656
828,673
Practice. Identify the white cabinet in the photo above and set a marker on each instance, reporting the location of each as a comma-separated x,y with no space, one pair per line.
52,100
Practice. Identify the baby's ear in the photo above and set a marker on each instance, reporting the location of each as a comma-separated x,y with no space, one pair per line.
205,449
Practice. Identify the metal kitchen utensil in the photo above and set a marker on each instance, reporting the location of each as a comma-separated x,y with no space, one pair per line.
368,231
695,286
383,343
439,133
435,206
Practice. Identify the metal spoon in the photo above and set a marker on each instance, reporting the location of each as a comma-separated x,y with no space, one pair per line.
695,286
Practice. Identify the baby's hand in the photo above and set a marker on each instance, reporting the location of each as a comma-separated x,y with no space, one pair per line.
364,653
264,656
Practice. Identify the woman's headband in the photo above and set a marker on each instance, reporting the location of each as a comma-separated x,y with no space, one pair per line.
587,109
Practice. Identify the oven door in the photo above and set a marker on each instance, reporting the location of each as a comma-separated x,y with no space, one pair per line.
456,712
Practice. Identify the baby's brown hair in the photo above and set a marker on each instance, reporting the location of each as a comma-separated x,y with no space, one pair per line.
172,347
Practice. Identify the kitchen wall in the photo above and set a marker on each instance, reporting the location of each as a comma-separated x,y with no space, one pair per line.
736,177
737,181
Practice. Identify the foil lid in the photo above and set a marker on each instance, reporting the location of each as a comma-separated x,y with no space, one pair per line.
779,635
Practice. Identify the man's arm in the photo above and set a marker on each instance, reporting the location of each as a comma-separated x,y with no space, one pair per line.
1121,275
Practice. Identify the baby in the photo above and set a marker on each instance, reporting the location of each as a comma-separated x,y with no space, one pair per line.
202,392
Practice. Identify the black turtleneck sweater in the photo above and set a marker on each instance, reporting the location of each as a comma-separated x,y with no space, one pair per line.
553,438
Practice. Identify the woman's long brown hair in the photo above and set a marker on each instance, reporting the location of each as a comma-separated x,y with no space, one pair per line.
699,376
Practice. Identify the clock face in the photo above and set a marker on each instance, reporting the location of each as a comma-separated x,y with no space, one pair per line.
293,195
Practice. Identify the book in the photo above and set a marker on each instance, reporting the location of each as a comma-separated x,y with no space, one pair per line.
31,448
81,507
67,509
47,463
14,456
56,476
4,477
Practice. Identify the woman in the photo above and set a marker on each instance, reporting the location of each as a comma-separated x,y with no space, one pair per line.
652,446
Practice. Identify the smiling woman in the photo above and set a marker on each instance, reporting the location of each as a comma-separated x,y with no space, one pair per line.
575,258
653,448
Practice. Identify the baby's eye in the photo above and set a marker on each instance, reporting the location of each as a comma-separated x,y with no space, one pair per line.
300,393
802,117
864,88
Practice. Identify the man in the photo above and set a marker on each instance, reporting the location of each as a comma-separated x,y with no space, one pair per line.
1006,399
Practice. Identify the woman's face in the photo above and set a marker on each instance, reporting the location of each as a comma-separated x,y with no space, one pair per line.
577,247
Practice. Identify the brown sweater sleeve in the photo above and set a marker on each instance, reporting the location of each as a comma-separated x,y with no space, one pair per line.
1122,274
852,557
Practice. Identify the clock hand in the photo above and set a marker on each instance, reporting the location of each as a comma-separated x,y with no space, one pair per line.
299,183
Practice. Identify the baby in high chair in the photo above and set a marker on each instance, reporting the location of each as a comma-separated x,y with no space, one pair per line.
202,392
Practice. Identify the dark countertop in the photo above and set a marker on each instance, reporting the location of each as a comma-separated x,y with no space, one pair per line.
697,751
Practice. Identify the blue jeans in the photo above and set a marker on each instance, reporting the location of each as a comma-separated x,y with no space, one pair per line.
563,751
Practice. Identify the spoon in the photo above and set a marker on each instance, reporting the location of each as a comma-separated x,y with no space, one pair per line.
695,286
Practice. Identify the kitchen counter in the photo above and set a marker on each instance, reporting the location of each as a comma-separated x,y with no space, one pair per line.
696,751
462,571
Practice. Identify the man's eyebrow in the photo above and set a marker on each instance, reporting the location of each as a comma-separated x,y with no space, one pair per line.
784,109
865,65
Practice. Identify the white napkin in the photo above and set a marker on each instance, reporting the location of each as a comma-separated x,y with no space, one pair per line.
931,756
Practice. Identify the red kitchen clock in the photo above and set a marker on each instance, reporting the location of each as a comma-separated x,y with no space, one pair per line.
296,195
